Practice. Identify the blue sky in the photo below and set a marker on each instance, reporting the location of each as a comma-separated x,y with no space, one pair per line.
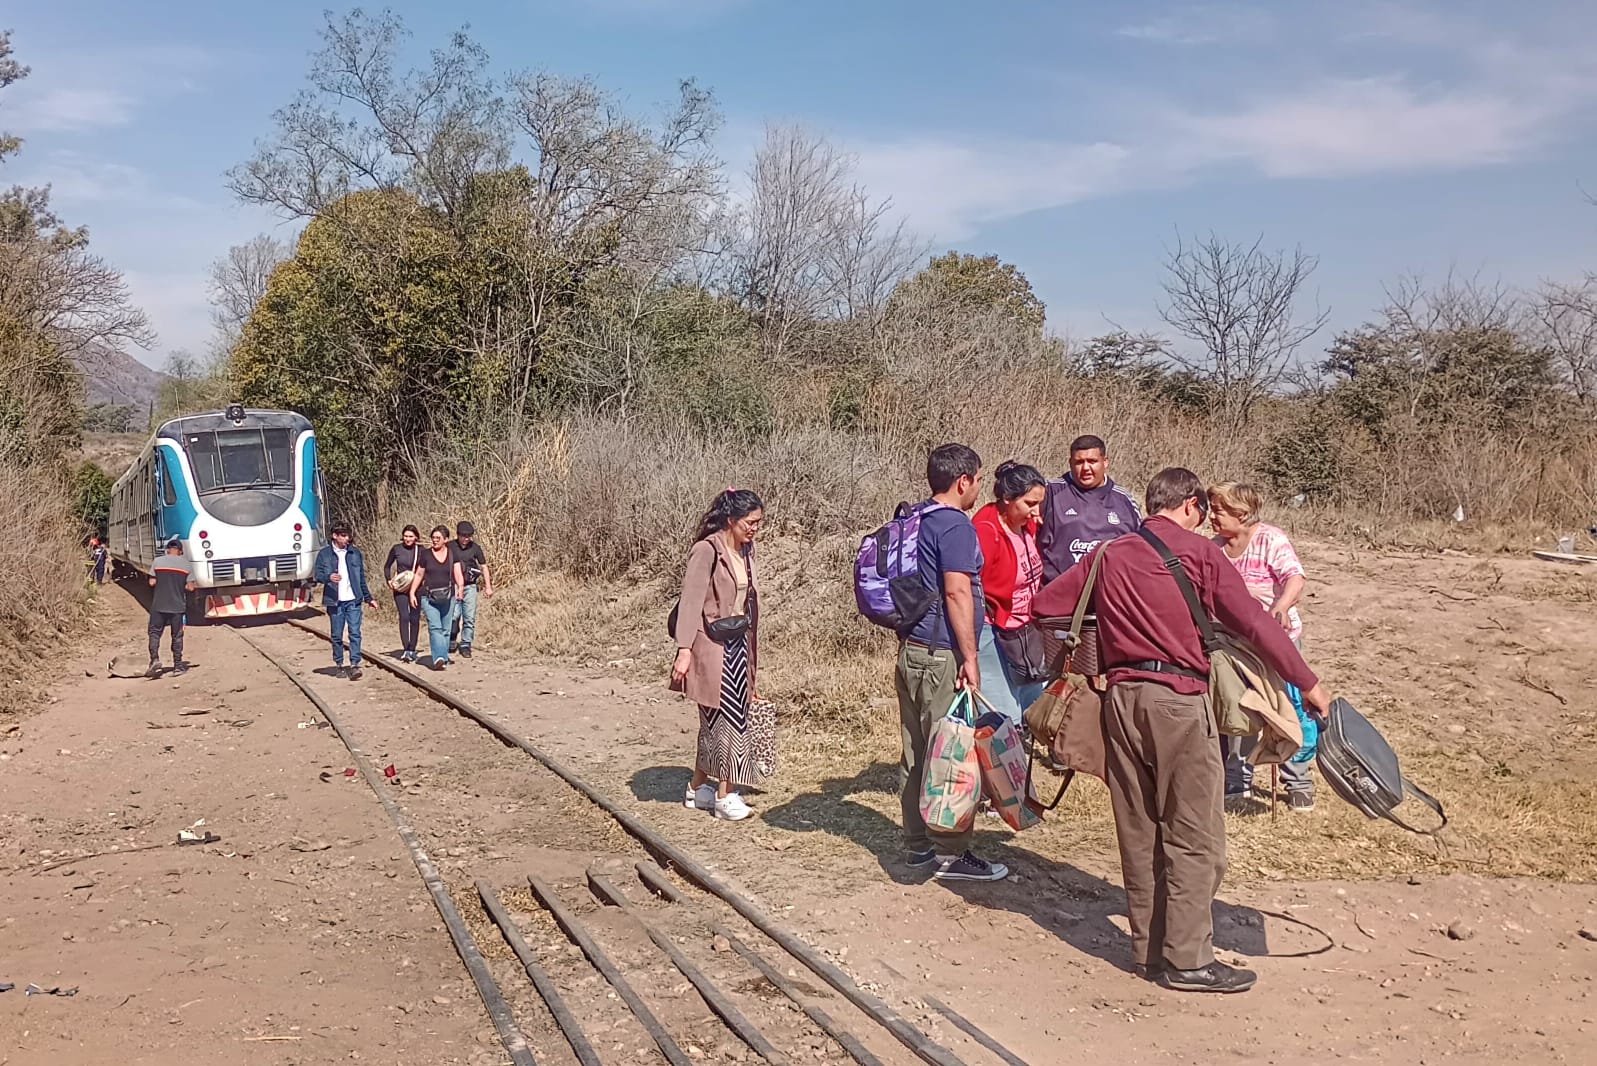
1073,139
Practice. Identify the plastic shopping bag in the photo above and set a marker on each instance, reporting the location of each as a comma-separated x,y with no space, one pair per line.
951,790
1001,752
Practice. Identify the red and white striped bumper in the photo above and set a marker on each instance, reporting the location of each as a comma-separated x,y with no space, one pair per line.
223,605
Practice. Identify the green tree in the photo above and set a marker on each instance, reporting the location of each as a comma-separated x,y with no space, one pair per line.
91,496
361,331
975,285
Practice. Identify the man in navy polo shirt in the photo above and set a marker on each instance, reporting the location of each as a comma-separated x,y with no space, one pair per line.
939,655
1083,509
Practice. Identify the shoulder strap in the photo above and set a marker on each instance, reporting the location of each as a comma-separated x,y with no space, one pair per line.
1200,617
1080,614
1426,798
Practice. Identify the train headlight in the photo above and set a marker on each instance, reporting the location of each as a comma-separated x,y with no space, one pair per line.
205,544
207,555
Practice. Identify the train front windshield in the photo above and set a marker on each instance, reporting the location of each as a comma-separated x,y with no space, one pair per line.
241,458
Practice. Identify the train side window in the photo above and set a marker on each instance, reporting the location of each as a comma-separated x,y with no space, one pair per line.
164,476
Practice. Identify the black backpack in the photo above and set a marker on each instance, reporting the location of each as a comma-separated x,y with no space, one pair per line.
1361,767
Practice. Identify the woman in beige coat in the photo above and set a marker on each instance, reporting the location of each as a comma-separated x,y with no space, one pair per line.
716,625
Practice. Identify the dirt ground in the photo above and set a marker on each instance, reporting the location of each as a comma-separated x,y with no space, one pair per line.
304,935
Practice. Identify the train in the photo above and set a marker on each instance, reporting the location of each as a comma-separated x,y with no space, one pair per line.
242,490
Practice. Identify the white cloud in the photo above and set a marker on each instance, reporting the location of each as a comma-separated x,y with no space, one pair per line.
76,180
1367,126
1204,24
1493,99
68,109
946,188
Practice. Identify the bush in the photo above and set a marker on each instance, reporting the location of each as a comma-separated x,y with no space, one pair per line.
1301,459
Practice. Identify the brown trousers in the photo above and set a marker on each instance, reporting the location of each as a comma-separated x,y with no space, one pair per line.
1166,784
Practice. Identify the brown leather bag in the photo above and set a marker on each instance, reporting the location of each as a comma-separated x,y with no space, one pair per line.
1068,717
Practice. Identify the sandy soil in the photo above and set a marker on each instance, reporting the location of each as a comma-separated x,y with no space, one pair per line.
306,922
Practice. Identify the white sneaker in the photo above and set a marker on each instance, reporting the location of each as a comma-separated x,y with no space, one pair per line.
700,799
732,808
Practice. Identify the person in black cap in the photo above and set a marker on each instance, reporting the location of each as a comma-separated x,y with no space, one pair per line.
474,568
172,581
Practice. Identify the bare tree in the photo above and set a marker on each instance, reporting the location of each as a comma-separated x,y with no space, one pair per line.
239,280
814,245
364,125
54,286
1566,322
608,201
1239,302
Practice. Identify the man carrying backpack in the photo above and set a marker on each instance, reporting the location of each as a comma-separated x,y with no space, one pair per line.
1083,509
938,655
1164,772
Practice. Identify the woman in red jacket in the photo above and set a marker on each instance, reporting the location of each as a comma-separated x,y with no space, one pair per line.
1010,649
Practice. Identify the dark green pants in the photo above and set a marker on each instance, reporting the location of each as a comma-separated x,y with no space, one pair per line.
925,683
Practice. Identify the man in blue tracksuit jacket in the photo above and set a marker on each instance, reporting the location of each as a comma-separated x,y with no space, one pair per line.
1083,509
341,571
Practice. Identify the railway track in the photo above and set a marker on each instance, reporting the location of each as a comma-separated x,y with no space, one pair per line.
589,937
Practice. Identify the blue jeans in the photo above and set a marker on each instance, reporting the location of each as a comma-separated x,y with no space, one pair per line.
1008,696
438,618
464,627
341,616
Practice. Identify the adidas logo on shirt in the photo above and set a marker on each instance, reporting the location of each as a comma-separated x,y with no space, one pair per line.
1071,511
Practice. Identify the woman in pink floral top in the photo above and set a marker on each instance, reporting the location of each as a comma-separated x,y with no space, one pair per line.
1270,568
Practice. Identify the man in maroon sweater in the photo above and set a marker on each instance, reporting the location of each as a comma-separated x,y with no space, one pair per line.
1166,781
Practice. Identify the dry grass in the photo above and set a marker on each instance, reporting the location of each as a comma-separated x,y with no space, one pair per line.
1516,812
45,596
598,510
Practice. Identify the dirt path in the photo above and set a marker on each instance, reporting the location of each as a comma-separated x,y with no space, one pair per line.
306,923
302,935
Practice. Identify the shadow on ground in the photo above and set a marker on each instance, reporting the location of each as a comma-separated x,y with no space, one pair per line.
1059,898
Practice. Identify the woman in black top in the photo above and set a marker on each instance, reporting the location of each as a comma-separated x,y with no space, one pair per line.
438,593
403,558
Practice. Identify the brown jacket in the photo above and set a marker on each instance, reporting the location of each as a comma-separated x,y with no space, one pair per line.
709,592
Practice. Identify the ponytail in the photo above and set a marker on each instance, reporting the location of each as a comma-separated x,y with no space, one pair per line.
727,508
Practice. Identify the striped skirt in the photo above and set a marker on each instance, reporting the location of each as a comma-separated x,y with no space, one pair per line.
733,746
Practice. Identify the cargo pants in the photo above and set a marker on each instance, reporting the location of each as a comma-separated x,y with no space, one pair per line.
924,680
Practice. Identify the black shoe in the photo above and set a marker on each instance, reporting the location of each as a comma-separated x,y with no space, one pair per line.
340,670
465,651
968,867
454,646
154,670
1300,801
183,668
1215,977
918,859
1147,972
355,673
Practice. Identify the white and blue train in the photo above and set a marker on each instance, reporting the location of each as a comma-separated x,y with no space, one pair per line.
242,490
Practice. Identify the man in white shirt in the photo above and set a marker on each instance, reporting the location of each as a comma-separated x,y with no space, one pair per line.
341,570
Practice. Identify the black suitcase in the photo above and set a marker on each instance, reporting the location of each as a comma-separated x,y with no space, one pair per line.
1361,767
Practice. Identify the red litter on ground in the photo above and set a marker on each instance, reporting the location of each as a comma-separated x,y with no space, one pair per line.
349,771
389,771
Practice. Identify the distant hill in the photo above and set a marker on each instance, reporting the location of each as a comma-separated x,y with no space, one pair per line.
111,376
